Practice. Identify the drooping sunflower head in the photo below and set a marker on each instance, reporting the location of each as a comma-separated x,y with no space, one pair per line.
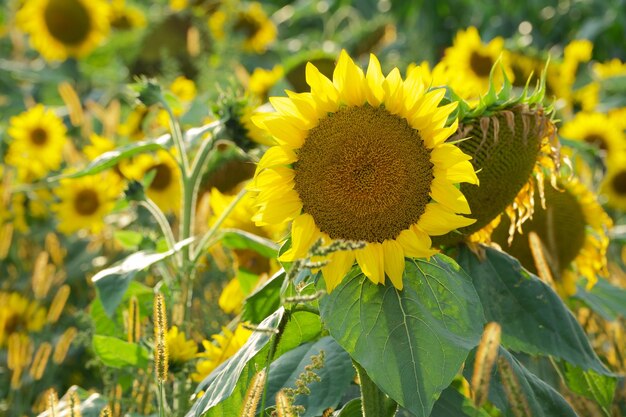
37,141
572,230
469,56
250,22
363,158
596,129
614,183
84,202
19,315
164,189
60,29
512,143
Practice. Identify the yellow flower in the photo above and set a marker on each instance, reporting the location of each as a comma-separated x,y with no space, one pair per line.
98,145
596,129
254,133
609,69
441,75
362,158
261,80
185,91
219,350
85,201
38,137
614,183
469,56
178,5
133,127
231,298
64,28
251,22
164,189
573,231
125,17
18,314
180,349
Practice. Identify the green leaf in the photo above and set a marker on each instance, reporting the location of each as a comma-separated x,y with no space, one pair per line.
117,353
351,409
543,400
110,159
533,317
302,327
453,404
114,325
335,375
240,239
592,385
605,299
266,299
112,282
411,342
129,239
232,377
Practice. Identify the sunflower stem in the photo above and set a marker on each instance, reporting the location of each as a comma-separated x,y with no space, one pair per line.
161,388
160,218
374,403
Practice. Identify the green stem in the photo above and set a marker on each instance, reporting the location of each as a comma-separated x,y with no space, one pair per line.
163,224
208,235
177,136
374,402
161,399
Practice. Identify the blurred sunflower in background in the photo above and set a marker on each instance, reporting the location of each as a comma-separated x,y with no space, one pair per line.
83,202
180,349
219,349
37,140
60,29
344,146
164,189
19,315
614,183
596,129
250,22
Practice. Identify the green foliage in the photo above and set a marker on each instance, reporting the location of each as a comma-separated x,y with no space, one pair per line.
605,299
117,353
410,342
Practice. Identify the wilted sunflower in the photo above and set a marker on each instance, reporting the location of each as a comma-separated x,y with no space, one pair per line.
85,201
251,22
469,56
217,351
573,231
38,137
165,188
362,158
614,183
64,28
596,129
18,314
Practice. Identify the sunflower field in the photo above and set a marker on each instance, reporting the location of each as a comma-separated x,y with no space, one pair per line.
312,208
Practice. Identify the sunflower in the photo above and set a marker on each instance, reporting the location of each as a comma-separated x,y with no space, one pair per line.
18,314
125,17
85,201
469,56
60,29
133,127
596,129
609,69
573,232
221,348
180,349
362,158
262,80
251,22
614,183
38,137
97,146
165,188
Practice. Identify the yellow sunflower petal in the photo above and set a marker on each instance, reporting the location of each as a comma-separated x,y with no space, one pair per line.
338,266
348,79
304,233
416,243
375,92
437,220
446,194
372,262
394,262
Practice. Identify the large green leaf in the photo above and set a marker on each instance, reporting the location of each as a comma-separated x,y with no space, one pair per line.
112,282
453,404
411,342
113,325
605,299
352,408
533,317
110,159
233,376
117,353
335,375
266,299
302,327
240,239
592,385
542,399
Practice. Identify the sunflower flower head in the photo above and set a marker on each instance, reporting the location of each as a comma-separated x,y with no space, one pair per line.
362,158
180,349
512,142
222,347
572,228
614,183
19,315
250,22
60,29
84,202
37,140
596,129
